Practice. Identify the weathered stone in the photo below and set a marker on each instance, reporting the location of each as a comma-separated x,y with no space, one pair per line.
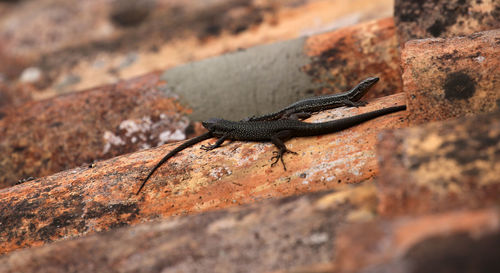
44,137
445,78
343,57
281,234
12,96
102,196
440,166
461,241
445,18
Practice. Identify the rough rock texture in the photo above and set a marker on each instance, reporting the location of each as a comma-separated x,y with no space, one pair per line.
13,94
445,78
103,41
460,241
438,191
44,137
102,196
441,166
350,54
445,18
282,234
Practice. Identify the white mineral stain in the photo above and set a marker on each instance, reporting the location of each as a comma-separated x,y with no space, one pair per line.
111,139
142,132
31,74
219,172
479,59
318,238
246,158
131,126
168,136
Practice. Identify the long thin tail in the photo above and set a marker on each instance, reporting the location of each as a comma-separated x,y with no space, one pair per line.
344,123
179,148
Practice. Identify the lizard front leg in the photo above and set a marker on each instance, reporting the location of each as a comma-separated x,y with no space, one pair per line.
216,145
277,140
298,116
354,103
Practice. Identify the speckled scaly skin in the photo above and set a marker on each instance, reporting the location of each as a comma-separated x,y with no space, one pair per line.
266,130
276,131
320,103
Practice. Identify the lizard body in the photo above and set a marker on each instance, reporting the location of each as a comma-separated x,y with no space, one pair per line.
305,107
276,131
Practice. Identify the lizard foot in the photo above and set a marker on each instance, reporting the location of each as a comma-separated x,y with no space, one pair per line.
208,147
278,155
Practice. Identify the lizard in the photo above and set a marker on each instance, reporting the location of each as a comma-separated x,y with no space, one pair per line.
303,108
276,131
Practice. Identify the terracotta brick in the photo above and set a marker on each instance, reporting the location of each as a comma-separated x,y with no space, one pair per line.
445,78
44,137
445,18
440,166
85,200
280,234
348,55
462,241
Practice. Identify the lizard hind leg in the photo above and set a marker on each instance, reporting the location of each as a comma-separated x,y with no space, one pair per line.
277,140
278,155
300,115
354,103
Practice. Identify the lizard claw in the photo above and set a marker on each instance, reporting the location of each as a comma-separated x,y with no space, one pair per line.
207,147
278,155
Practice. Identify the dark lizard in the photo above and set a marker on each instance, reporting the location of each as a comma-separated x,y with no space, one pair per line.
276,131
300,109
179,148
304,108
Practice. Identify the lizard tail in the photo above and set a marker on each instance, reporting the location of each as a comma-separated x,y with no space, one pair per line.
179,148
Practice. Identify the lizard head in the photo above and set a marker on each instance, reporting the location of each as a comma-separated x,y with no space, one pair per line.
215,126
362,88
